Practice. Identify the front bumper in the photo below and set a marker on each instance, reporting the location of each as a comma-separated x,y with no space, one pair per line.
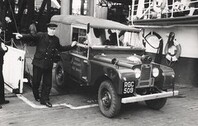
139,98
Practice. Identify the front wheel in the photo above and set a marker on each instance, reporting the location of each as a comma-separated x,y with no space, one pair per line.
156,104
108,100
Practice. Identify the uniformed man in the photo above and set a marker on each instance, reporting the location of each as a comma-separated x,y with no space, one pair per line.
46,44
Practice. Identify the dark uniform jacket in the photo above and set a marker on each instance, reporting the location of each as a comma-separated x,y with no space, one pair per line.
2,52
46,49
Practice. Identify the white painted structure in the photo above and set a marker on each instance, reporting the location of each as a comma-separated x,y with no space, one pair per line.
13,69
186,36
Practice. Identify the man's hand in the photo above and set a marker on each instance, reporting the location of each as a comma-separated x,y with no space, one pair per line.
4,47
73,43
18,35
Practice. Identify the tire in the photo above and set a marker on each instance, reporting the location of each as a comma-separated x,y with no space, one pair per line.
60,77
156,104
108,100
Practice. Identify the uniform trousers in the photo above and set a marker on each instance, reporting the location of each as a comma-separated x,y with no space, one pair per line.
2,94
38,73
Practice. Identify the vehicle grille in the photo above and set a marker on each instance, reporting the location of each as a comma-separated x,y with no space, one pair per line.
146,72
146,79
144,84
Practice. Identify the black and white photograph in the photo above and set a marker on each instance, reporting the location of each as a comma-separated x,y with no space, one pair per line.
98,62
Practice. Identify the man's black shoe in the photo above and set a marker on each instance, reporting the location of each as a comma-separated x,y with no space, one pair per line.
48,104
4,102
0,107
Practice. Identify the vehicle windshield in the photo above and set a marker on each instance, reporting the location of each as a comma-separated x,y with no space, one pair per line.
111,37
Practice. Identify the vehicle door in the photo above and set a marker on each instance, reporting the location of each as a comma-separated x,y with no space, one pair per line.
13,69
79,61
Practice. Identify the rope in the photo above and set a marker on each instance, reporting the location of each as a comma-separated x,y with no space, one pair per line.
153,33
158,56
170,63
15,24
12,12
150,43
4,41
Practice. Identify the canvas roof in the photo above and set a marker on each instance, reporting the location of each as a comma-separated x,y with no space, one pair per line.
94,22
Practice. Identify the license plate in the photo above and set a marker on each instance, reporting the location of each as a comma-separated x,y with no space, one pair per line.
128,87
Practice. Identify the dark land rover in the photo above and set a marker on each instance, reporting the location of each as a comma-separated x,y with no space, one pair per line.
111,57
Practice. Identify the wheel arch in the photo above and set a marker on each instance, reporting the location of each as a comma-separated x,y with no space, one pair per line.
99,80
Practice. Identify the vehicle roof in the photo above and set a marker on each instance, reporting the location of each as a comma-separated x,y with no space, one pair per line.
94,22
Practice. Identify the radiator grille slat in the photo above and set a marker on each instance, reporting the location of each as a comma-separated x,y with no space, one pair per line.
146,72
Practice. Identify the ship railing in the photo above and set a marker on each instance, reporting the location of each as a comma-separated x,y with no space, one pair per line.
176,9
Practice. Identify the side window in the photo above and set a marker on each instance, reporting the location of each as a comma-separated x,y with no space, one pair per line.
97,36
112,39
80,35
82,38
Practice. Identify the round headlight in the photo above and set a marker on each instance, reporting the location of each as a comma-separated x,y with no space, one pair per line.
137,73
155,72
